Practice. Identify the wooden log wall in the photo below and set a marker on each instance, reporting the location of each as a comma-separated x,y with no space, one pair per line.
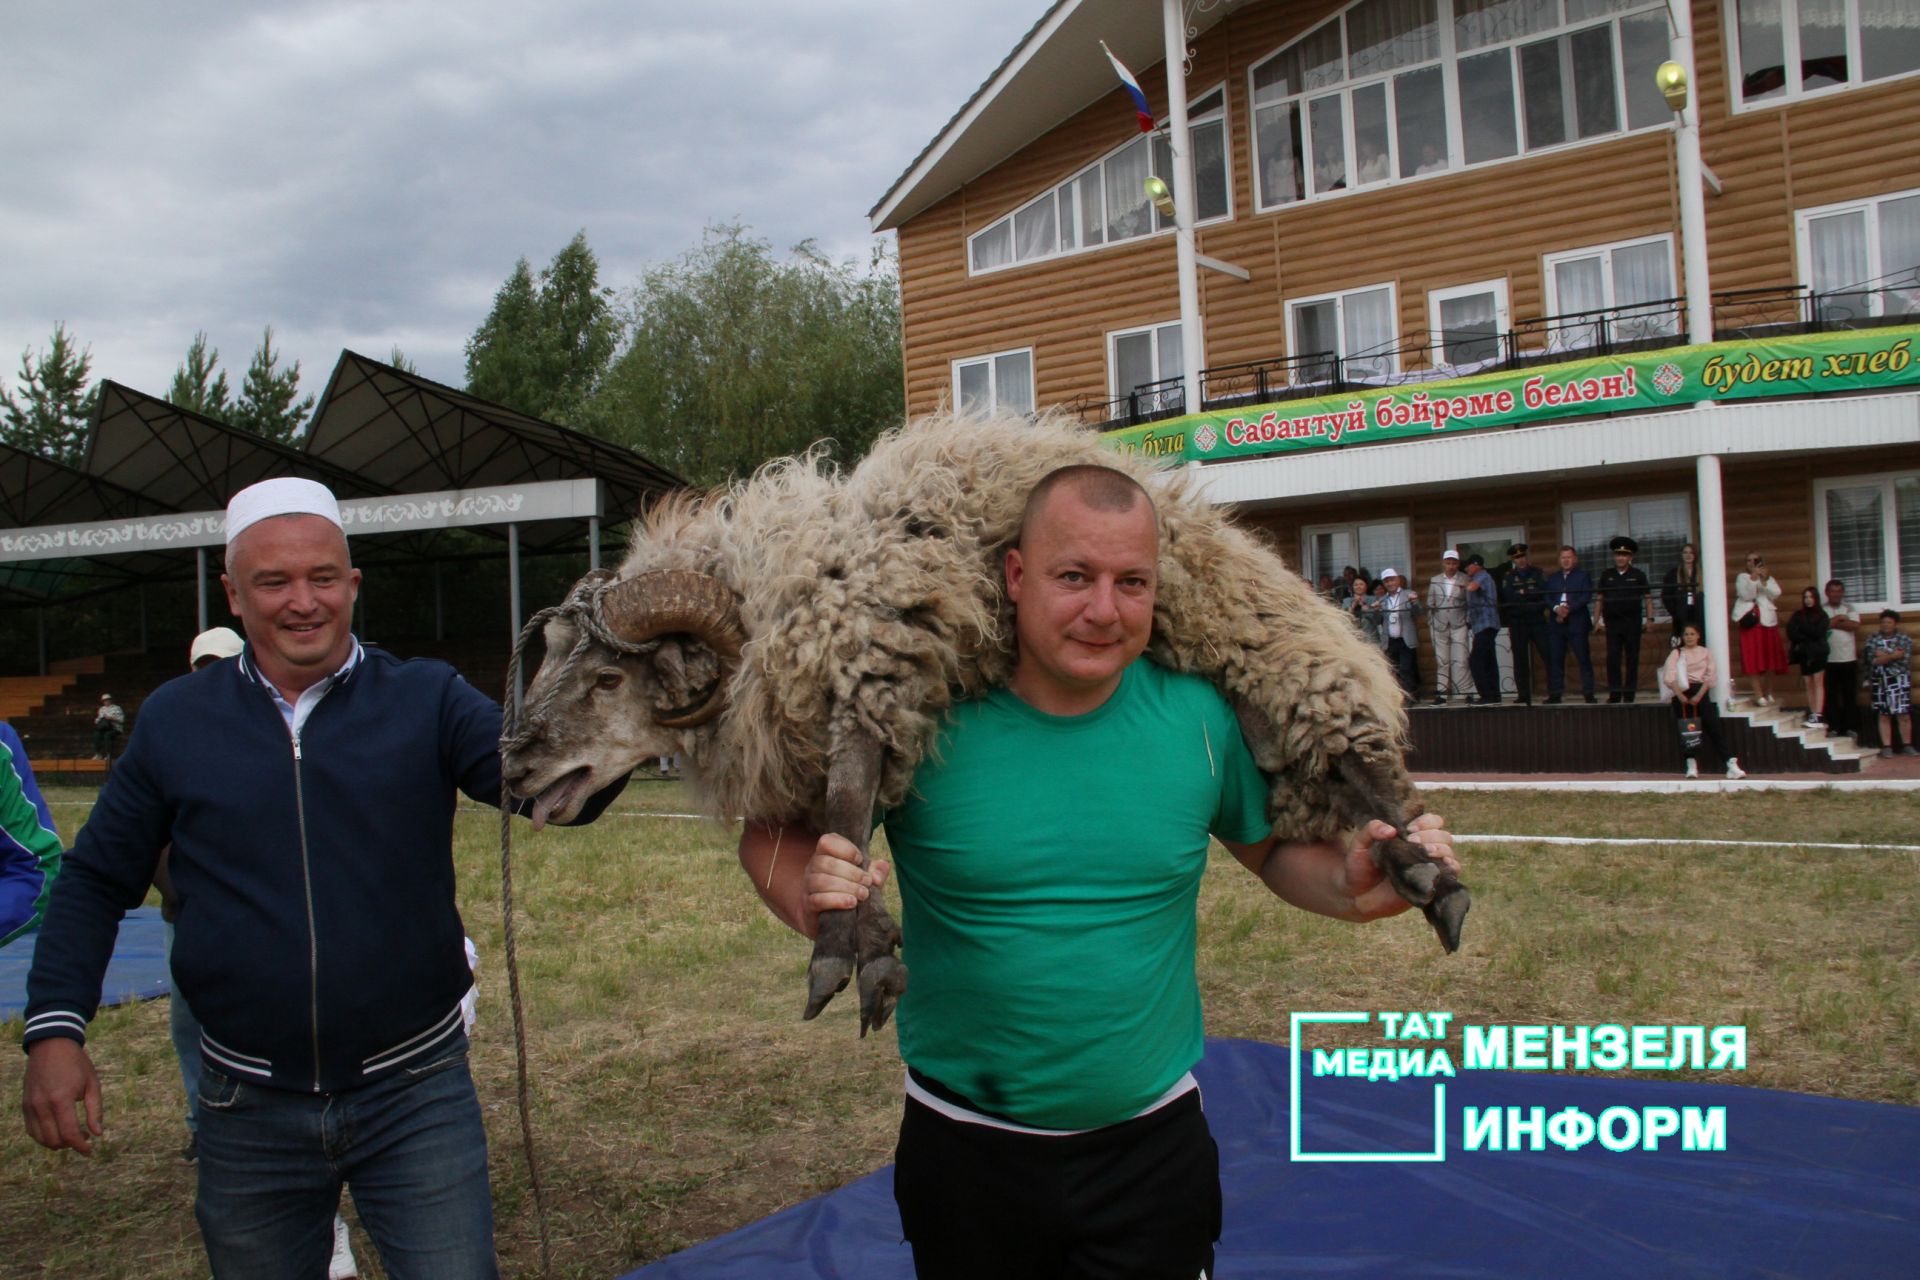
1487,223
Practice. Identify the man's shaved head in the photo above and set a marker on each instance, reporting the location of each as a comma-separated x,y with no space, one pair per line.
1101,488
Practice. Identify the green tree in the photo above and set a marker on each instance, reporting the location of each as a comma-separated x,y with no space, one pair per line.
545,347
269,403
398,359
501,355
54,409
738,356
200,385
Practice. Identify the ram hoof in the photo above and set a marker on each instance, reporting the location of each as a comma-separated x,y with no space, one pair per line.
883,980
827,977
1448,911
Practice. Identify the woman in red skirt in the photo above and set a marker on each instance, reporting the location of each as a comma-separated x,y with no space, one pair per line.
1762,653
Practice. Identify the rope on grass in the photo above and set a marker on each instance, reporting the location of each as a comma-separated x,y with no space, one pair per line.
509,728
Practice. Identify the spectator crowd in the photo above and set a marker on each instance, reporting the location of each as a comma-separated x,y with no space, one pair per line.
1555,614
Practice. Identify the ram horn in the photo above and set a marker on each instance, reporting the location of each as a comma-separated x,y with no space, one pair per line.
675,602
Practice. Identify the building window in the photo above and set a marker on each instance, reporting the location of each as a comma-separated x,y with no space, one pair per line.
1466,322
1623,292
1330,548
1106,203
1357,326
1788,49
1861,260
1661,525
1138,358
999,383
1396,89
1868,534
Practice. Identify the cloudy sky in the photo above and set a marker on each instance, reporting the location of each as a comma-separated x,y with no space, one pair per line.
365,174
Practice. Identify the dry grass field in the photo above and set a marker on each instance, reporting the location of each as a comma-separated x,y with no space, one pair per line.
677,1094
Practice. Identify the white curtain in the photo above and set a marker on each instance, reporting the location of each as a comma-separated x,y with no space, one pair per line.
1035,230
1367,319
1483,22
994,246
1469,328
1013,382
1127,208
1854,543
1091,208
1643,273
976,388
1837,244
1384,34
1906,498
1579,285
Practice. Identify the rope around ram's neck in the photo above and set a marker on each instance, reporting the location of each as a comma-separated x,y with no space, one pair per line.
509,734
582,608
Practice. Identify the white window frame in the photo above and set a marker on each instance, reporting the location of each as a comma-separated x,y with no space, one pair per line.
1339,297
1060,190
1502,318
993,378
1550,289
1790,59
1803,237
1113,362
1448,60
1889,535
1112,355
1352,529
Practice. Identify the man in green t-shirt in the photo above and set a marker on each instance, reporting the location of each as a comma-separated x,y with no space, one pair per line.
1050,861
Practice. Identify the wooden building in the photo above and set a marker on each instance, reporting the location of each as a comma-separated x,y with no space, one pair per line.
1424,200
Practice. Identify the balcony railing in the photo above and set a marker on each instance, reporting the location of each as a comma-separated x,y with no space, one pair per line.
1542,340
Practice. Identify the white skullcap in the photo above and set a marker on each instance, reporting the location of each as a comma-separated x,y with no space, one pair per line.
1389,573
219,642
1450,554
281,496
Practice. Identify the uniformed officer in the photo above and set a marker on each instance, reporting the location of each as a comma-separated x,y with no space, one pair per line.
1523,598
1626,607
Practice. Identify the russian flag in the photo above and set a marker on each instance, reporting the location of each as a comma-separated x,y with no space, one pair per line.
1133,89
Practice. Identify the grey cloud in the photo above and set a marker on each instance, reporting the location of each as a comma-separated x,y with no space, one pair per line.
365,174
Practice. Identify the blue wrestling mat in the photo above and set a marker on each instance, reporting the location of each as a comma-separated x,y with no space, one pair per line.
1806,1187
138,970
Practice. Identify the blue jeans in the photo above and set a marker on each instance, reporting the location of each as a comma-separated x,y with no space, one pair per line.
412,1146
185,1030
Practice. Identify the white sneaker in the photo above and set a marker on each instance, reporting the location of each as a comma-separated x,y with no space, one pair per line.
342,1267
1693,768
1734,771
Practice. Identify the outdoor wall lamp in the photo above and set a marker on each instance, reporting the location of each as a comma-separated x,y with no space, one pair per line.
1161,197
1672,79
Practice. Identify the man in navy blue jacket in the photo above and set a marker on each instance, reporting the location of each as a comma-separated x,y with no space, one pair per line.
1569,623
307,788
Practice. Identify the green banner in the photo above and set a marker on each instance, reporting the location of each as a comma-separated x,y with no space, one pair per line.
1802,364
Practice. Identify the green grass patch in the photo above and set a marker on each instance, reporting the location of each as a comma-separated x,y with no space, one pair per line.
677,1095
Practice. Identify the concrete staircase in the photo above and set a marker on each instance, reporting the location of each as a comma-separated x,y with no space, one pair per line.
1777,739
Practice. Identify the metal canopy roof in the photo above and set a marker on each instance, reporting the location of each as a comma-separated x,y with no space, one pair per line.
1056,71
378,432
192,463
410,434
36,491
